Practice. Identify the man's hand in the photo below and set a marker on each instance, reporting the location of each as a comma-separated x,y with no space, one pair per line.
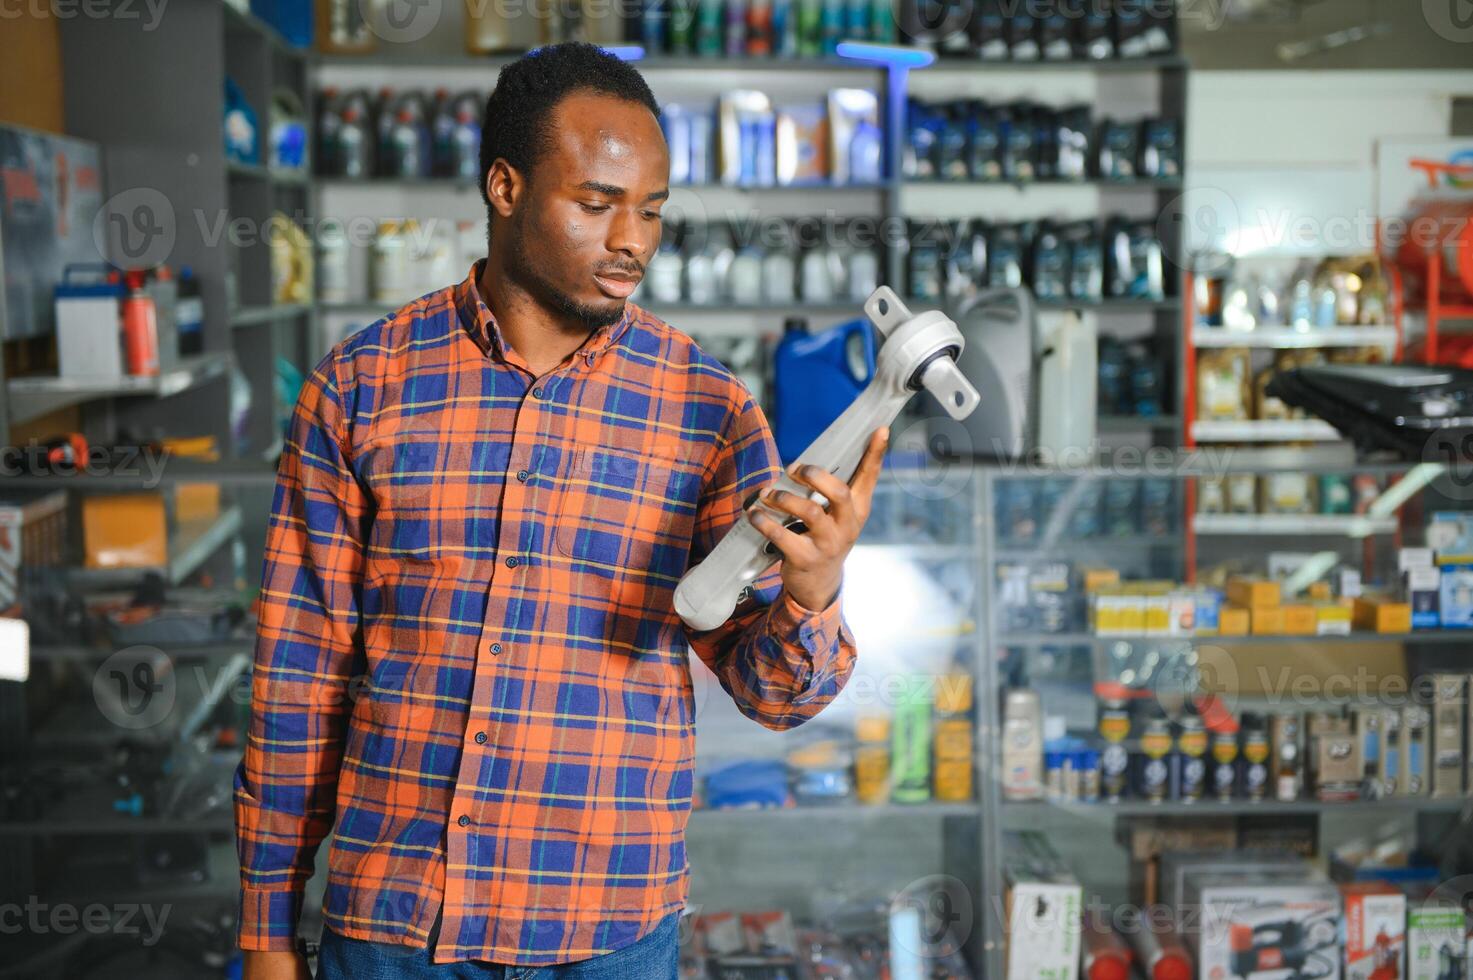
813,562
275,965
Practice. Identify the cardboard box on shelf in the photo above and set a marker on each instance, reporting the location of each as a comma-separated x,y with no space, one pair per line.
32,535
1436,940
196,502
1266,620
1257,930
1334,758
1380,614
1251,592
1232,621
125,530
1332,619
1299,619
1449,733
1042,905
1421,587
1375,930
1455,597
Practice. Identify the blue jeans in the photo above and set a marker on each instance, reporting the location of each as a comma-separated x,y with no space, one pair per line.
654,957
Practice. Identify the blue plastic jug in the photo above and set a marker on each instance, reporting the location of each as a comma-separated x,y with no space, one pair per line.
818,376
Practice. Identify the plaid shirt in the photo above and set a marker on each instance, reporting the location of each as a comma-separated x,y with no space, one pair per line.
467,653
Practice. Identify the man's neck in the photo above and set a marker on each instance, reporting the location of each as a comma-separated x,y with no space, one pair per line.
541,336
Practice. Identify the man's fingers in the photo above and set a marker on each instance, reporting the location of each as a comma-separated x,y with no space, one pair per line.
862,486
821,524
790,545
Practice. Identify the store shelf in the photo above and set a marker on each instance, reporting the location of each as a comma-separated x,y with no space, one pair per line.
246,316
223,649
1136,423
189,546
459,184
238,21
850,811
1093,183
1294,525
1216,808
1218,640
115,826
1009,551
1287,338
1118,304
32,397
1165,62
1273,430
652,62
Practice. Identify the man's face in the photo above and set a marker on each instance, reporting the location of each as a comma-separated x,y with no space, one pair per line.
588,216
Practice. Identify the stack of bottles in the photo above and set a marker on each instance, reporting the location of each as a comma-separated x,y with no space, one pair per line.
407,134
747,140
778,263
1077,260
970,139
1069,30
762,28
1131,379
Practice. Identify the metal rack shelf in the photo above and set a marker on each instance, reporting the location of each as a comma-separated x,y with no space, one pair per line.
32,397
245,316
1296,525
1216,808
1287,338
1265,430
1092,183
850,811
189,546
1217,639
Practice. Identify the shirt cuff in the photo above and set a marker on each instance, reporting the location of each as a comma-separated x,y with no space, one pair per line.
793,620
268,919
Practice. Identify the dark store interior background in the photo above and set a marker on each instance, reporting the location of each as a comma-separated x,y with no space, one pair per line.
1193,645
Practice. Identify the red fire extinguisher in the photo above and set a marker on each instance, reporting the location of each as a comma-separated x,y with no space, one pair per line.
140,328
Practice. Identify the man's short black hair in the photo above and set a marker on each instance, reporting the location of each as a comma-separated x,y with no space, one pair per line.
515,126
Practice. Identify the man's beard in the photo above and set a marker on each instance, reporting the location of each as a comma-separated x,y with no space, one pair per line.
530,277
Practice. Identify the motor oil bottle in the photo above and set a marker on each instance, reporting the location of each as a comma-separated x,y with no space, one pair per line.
1255,750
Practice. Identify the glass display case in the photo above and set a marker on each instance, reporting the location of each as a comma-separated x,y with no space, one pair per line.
1221,659
125,725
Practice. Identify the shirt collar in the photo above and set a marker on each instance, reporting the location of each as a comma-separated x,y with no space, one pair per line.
479,322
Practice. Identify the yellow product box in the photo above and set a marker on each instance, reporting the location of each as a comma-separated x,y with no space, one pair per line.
1379,614
953,738
125,530
1095,579
1157,614
1232,621
872,773
196,502
1332,619
1105,609
1266,621
953,694
1252,592
1320,592
1299,619
872,728
953,780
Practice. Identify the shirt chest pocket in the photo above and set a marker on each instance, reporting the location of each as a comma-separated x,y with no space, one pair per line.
432,495
623,512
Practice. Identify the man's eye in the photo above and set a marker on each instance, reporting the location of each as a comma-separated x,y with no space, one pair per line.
651,215
595,208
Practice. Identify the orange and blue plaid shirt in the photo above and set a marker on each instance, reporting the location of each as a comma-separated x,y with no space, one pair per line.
468,667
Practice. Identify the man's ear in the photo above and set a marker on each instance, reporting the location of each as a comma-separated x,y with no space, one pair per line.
504,187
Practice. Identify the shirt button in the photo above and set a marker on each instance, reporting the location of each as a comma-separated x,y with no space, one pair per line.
511,561
537,392
522,475
480,738
464,820
496,648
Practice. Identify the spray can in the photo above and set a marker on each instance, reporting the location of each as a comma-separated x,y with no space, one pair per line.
1152,763
1190,760
1224,759
140,329
1255,756
736,28
810,28
1114,729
